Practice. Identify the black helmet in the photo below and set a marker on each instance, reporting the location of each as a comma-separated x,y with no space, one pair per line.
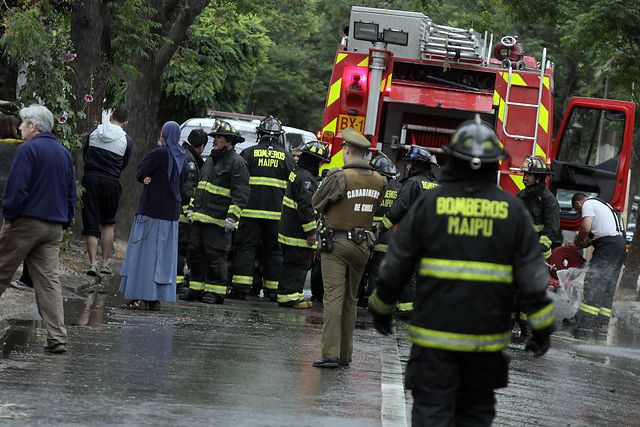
535,165
269,126
384,165
316,149
476,142
420,154
225,129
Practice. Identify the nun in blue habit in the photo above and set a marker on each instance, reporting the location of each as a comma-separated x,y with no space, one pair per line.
148,274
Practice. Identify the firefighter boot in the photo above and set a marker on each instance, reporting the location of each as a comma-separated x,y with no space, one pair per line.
211,298
191,295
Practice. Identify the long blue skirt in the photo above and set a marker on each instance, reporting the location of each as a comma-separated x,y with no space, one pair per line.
150,264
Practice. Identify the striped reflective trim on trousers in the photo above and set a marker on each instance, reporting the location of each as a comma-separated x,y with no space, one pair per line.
290,203
542,318
260,214
294,241
242,280
589,309
308,226
475,271
405,306
214,189
271,284
298,296
458,342
215,289
200,217
196,286
604,311
180,280
269,182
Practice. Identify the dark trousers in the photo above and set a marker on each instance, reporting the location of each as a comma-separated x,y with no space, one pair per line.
452,388
184,235
600,281
295,265
207,258
251,233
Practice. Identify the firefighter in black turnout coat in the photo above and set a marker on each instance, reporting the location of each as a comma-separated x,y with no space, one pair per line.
221,195
474,247
298,225
269,167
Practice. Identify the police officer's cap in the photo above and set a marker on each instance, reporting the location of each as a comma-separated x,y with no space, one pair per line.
535,165
225,129
384,165
476,142
353,137
316,149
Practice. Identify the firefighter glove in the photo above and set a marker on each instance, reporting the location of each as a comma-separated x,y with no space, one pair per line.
382,322
230,225
538,343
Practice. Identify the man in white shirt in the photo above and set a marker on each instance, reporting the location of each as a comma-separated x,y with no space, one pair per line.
601,228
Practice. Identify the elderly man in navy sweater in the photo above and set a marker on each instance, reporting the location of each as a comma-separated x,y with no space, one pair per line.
39,201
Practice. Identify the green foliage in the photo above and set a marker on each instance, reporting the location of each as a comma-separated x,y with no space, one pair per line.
38,38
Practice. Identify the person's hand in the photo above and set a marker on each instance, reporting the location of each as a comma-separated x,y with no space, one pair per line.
382,322
230,225
312,238
572,244
538,343
146,180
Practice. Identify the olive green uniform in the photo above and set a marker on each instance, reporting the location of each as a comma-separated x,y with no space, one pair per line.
348,199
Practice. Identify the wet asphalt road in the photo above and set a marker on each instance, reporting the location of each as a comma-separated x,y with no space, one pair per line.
249,363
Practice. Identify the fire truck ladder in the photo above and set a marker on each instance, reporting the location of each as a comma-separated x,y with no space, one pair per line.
449,41
508,103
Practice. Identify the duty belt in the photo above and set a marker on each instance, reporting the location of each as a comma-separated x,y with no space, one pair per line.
356,235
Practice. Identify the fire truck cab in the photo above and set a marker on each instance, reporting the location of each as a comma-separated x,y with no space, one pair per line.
402,80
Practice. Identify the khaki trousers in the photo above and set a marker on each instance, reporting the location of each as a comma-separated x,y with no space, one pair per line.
38,244
341,273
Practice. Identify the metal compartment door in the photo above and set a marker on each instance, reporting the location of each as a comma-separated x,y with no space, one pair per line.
592,154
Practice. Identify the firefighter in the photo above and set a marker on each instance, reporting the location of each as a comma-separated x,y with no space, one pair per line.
269,167
541,204
419,178
478,250
298,225
221,195
193,148
347,200
385,166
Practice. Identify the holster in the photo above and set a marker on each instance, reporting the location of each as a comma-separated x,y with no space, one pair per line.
325,239
357,236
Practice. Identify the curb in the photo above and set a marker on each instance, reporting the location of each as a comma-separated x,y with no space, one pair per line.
393,411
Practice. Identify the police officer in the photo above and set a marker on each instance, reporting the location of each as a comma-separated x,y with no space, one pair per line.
221,195
298,225
475,248
193,148
385,166
420,178
601,228
541,204
347,199
269,167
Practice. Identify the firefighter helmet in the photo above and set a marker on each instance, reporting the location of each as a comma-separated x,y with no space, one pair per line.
384,165
476,142
225,129
316,149
535,165
420,154
270,127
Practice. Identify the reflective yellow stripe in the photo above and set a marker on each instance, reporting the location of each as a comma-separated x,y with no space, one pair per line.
545,241
589,309
234,210
381,247
183,219
604,311
474,271
308,226
377,219
271,284
538,227
385,221
256,213
269,182
179,279
200,217
546,254
214,189
405,306
293,241
290,203
241,280
543,318
290,297
196,286
543,118
334,92
379,306
458,342
215,289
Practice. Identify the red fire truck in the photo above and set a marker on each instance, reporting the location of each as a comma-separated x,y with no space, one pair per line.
403,80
